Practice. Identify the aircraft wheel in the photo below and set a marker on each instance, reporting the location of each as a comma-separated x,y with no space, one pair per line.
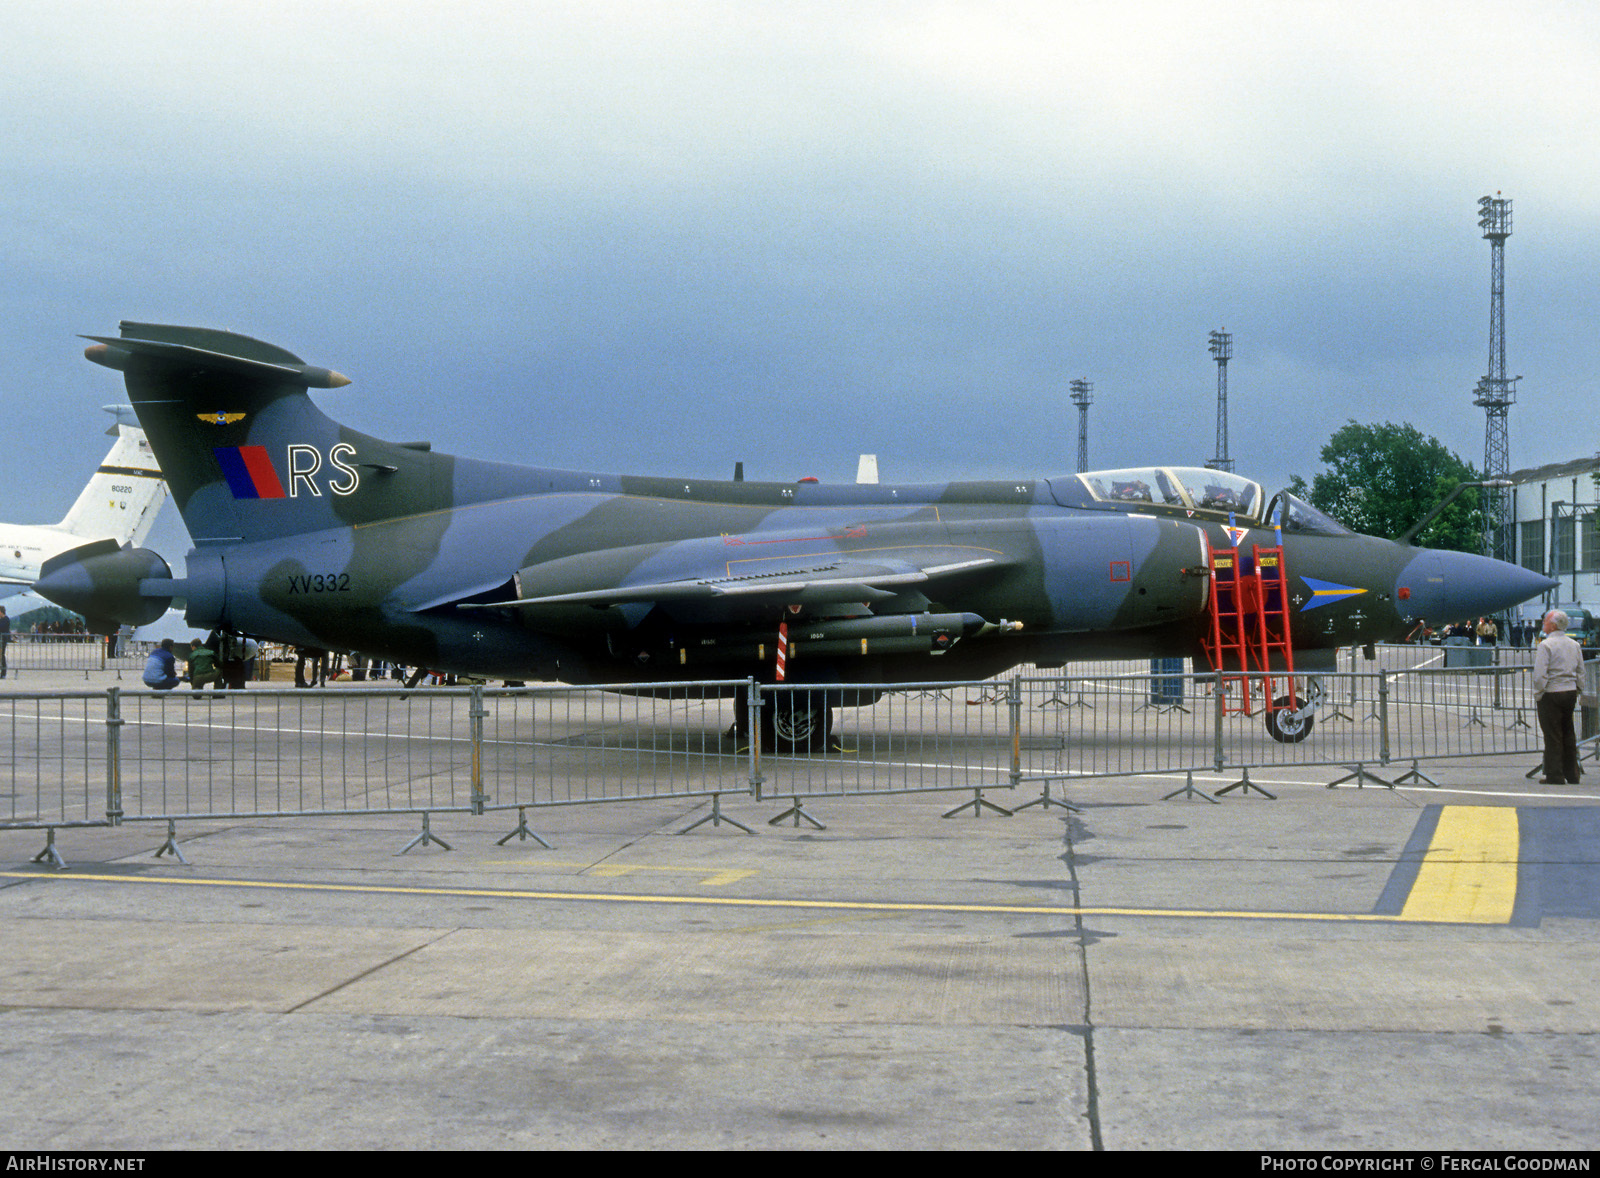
795,722
1282,724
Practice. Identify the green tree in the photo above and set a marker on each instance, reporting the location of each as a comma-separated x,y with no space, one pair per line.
1381,479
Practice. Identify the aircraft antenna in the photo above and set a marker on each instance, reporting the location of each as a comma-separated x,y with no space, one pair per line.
1082,395
1222,352
1496,393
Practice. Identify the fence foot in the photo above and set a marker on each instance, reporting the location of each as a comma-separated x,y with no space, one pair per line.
1244,785
796,812
523,832
716,818
1415,774
1189,791
50,855
1045,801
977,805
1519,722
427,836
1055,700
171,845
1359,775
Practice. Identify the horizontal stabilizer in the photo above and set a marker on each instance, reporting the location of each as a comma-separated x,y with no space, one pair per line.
113,352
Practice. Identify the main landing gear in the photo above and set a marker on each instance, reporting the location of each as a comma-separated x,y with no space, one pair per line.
791,721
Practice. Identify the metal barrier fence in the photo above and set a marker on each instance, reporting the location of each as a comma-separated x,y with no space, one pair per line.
557,746
922,737
57,770
64,652
102,758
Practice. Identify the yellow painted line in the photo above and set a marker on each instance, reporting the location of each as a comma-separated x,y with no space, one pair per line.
700,901
1469,872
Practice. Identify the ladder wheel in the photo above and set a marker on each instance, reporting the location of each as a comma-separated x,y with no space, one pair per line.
1284,726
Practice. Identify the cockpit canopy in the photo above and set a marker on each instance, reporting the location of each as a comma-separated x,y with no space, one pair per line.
1194,491
1188,488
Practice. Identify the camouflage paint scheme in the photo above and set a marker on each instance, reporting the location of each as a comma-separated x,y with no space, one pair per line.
310,533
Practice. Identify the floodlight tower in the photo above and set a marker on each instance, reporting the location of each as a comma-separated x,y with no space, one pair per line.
1496,392
1222,352
1082,395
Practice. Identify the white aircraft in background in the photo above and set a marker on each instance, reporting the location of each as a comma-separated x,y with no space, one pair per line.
120,503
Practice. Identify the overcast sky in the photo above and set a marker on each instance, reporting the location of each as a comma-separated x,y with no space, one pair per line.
661,237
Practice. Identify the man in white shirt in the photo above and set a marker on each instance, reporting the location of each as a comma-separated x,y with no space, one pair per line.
1557,675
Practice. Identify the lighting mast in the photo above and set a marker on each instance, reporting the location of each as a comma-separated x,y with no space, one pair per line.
1496,392
1222,352
1082,395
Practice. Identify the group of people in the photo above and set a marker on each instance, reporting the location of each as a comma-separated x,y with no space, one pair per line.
221,662
1483,632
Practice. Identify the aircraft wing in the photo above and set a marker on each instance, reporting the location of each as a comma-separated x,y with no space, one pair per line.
837,581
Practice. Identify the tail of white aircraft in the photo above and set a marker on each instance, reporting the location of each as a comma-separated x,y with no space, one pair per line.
123,495
119,504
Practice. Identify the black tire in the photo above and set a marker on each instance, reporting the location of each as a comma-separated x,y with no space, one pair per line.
796,722
1283,727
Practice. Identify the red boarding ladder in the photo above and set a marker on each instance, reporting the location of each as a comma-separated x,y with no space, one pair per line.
1228,642
1272,628
1249,624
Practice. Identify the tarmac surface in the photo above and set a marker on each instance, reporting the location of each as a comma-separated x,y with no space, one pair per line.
1335,969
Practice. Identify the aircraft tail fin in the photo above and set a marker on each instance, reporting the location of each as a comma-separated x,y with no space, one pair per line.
245,452
123,496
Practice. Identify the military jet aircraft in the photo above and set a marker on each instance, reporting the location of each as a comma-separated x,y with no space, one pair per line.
310,533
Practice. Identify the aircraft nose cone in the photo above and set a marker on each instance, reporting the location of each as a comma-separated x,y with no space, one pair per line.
1450,586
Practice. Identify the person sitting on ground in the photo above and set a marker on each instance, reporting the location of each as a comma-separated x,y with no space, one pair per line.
161,668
